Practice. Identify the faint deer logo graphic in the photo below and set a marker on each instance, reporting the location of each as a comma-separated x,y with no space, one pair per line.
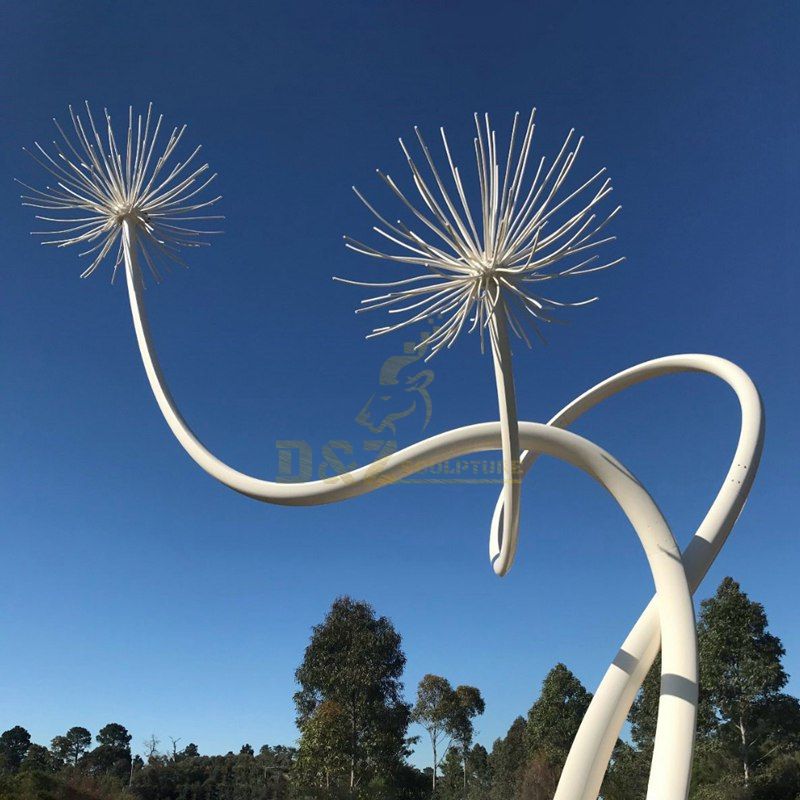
402,392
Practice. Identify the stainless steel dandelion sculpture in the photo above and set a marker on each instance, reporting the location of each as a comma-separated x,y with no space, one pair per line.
487,276
103,194
482,272
481,275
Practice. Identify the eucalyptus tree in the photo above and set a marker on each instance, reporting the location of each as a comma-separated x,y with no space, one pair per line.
748,729
507,759
355,660
468,704
542,742
434,711
554,719
740,665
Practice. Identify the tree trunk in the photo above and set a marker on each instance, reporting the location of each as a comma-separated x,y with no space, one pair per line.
745,760
433,738
353,752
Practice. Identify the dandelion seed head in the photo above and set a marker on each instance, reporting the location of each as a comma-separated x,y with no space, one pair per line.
100,186
472,264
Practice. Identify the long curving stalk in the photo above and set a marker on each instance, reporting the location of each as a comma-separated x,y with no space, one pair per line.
126,199
503,545
602,724
676,716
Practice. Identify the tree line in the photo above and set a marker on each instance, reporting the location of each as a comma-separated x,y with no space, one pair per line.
354,722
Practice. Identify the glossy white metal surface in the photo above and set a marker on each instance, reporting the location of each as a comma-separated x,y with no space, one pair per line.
130,202
673,629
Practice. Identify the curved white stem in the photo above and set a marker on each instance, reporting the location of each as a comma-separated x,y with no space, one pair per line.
591,751
503,542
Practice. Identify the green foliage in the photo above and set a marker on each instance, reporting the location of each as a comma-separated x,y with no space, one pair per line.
748,732
70,747
451,784
355,661
38,759
14,744
185,776
448,713
115,736
479,773
468,704
740,663
410,784
322,761
626,778
191,751
740,659
507,759
245,776
112,756
465,779
353,722
555,717
68,784
644,711
537,779
434,710
533,762
780,779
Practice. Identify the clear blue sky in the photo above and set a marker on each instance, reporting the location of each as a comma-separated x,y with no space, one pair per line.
137,590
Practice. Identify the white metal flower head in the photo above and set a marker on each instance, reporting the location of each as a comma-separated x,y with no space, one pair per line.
100,186
479,264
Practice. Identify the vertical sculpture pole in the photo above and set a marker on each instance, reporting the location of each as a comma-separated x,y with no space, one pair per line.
588,759
134,205
503,547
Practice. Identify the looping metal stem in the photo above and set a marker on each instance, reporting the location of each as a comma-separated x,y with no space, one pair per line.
602,724
669,619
